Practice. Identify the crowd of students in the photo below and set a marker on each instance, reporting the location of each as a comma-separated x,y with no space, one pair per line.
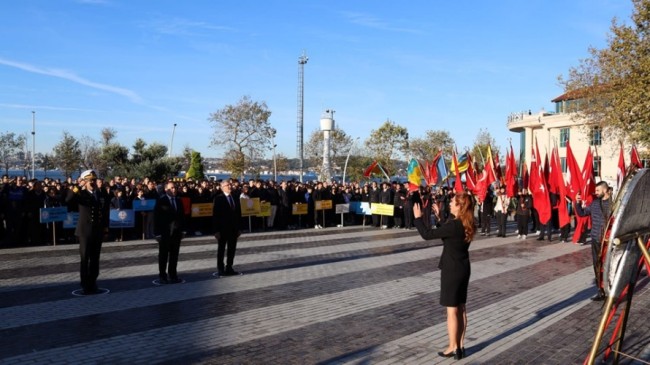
21,199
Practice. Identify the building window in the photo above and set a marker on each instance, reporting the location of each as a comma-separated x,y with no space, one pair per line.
595,139
597,164
563,163
564,136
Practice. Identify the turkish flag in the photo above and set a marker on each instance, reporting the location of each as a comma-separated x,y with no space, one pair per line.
620,173
574,175
511,174
539,190
562,209
634,158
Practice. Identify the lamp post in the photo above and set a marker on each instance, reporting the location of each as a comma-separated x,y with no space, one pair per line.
275,165
171,143
345,168
33,144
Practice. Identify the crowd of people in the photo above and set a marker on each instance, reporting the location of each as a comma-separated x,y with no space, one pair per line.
21,200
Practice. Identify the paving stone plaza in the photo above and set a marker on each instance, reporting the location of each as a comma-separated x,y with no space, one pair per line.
354,295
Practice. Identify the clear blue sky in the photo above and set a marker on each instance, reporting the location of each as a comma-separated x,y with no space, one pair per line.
141,66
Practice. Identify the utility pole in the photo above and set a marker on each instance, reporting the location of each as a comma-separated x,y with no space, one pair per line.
33,144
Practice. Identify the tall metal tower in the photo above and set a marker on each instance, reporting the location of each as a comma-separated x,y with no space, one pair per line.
302,60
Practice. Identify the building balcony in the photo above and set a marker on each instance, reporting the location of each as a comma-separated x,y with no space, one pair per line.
518,121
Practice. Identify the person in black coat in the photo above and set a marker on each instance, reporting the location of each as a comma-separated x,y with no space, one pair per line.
90,228
600,210
226,215
456,234
169,221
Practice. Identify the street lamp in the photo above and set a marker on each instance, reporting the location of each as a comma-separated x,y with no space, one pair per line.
171,143
33,143
275,166
348,158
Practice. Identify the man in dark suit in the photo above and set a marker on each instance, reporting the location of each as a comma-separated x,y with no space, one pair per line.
90,228
226,215
169,221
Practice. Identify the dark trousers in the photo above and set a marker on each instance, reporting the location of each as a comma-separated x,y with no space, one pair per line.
376,220
168,250
564,232
548,228
485,222
89,250
522,224
501,223
226,246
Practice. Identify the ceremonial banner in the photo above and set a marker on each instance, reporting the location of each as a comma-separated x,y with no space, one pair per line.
342,208
250,207
121,218
299,209
54,214
71,220
201,210
265,209
146,205
364,208
382,209
323,204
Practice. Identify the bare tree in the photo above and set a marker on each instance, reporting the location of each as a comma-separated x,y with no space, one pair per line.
243,128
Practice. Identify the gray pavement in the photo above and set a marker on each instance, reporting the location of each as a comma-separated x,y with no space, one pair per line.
349,295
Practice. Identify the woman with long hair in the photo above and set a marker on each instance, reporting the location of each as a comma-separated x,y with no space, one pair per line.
456,234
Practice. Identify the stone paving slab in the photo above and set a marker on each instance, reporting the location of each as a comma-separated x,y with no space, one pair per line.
335,296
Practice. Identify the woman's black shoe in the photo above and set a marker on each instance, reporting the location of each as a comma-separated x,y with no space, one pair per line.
458,354
451,354
462,350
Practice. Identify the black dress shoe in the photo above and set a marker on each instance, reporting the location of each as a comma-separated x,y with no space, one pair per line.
540,239
458,354
175,280
450,354
462,350
231,272
163,280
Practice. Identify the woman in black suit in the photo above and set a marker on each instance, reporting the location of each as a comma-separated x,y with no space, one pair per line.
456,235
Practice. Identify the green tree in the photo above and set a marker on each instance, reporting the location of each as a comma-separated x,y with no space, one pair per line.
481,143
340,143
10,145
610,89
244,128
387,142
46,163
233,161
195,171
426,148
67,154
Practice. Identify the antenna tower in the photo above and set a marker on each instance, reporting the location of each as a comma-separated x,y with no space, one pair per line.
302,60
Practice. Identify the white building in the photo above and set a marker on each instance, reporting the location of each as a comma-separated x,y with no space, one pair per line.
551,128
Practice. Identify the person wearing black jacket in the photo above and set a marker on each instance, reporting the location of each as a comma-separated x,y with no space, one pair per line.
90,228
169,220
599,210
548,226
226,214
487,211
457,234
375,198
